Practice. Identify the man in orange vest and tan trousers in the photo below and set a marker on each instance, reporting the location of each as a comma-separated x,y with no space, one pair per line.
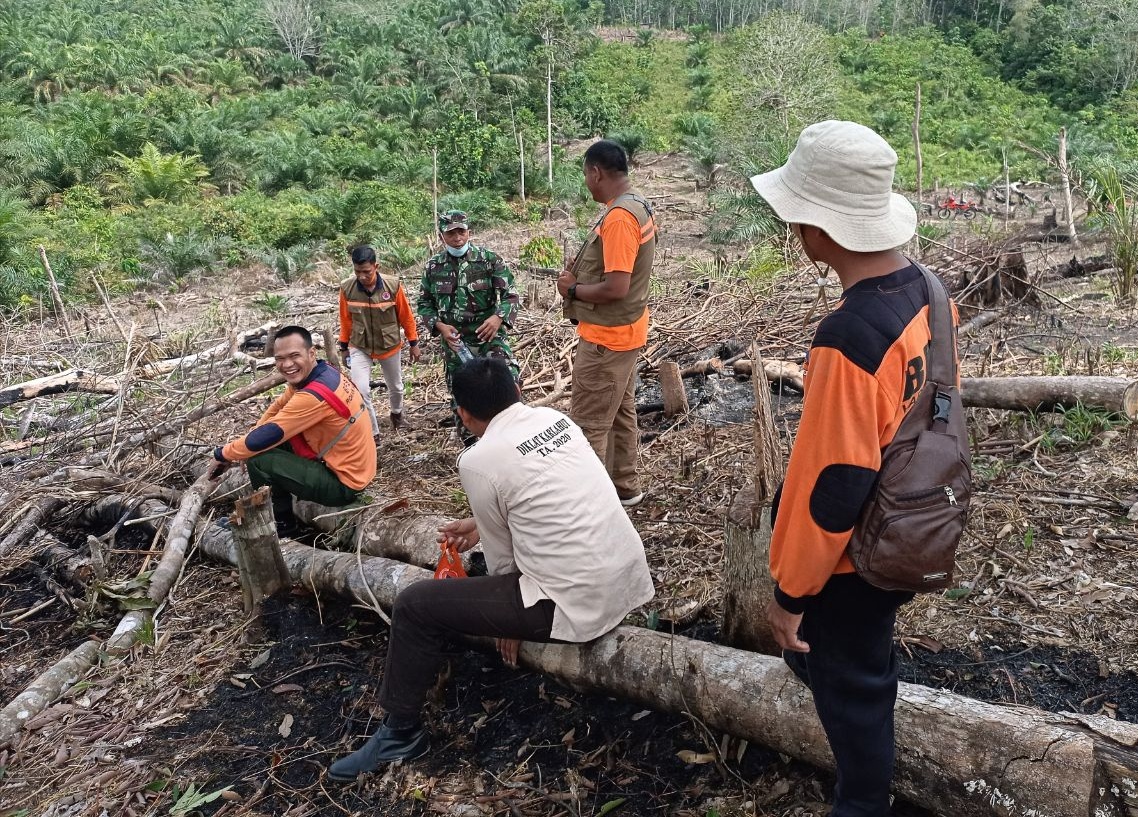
373,307
606,295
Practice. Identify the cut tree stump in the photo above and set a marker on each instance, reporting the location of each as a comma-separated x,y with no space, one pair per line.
259,560
672,386
955,755
747,584
1117,394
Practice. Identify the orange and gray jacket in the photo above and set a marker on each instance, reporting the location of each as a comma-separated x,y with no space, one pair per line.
867,364
309,418
370,321
590,268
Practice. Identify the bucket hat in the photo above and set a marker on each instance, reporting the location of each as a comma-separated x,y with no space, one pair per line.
453,220
839,177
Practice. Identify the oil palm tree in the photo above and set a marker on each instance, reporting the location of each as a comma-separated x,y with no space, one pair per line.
153,176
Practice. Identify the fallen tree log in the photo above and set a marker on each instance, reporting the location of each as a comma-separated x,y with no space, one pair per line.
1116,394
30,523
376,531
956,756
49,685
70,380
781,372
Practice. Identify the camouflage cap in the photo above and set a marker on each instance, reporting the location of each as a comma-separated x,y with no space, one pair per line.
453,220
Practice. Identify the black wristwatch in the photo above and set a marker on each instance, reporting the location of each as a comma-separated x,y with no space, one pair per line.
573,292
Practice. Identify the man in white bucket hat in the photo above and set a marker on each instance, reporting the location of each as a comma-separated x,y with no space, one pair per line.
865,367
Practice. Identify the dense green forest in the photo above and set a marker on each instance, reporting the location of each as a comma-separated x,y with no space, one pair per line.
147,143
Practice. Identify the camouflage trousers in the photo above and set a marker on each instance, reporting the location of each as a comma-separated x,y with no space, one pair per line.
498,346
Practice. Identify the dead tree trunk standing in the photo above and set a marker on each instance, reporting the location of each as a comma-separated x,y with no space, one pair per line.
747,584
1117,394
271,341
672,386
1007,189
955,755
56,299
259,559
1065,176
917,151
330,349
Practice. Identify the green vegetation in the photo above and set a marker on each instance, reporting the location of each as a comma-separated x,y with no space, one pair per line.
542,252
150,143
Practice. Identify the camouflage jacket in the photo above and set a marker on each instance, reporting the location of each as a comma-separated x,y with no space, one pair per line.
466,291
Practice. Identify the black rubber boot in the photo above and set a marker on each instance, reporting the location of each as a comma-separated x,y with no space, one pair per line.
386,746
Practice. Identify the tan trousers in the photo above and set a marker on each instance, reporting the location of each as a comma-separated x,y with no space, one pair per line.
604,406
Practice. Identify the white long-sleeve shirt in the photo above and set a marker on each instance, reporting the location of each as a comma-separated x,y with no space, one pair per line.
546,508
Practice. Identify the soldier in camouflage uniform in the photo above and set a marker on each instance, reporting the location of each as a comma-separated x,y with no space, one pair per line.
467,295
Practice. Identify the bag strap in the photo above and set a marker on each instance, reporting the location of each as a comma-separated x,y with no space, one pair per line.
337,405
943,341
340,435
942,346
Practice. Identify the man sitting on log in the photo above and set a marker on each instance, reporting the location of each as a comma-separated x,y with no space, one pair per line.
866,366
565,562
308,443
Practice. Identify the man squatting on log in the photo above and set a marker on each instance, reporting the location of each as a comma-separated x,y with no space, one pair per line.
308,443
866,366
606,295
373,306
565,562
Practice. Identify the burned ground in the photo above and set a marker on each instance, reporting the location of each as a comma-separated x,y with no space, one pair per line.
1041,613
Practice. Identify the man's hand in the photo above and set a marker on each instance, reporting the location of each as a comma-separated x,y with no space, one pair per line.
449,334
461,534
489,328
784,627
414,352
565,280
508,649
217,468
346,358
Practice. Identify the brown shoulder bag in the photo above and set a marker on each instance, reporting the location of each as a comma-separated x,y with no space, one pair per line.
908,531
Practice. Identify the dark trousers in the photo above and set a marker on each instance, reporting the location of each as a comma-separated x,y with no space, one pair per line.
852,670
289,475
429,612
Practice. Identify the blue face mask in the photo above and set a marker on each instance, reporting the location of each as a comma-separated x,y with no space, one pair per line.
458,252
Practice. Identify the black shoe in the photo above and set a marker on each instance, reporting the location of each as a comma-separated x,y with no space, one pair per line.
386,746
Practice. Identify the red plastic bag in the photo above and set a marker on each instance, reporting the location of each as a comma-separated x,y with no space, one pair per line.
450,565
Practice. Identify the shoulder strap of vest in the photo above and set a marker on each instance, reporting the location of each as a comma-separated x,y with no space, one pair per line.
390,282
636,197
330,397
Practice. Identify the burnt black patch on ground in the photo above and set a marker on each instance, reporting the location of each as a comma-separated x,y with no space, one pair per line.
490,722
1045,677
28,631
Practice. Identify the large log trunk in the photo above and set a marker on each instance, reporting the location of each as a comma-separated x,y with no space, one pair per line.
377,532
956,756
1117,394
